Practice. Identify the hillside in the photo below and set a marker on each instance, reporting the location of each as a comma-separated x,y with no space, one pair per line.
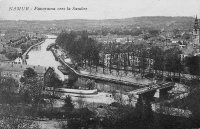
158,22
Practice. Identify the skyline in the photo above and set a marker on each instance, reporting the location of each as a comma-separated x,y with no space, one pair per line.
98,10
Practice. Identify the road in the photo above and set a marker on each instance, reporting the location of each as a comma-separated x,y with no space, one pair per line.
98,77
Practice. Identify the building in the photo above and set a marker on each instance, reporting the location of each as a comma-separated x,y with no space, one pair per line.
18,60
126,58
16,71
47,76
196,32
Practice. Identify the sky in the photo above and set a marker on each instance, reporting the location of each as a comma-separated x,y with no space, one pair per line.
97,9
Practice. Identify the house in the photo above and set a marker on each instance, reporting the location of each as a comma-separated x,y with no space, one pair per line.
16,71
188,51
2,33
107,60
121,57
174,40
18,60
47,76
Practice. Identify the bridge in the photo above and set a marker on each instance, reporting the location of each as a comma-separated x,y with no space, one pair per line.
143,90
153,87
144,93
152,92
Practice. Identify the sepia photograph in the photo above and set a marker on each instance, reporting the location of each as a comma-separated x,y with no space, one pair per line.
99,64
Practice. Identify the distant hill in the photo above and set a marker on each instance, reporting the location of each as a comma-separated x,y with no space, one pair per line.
158,22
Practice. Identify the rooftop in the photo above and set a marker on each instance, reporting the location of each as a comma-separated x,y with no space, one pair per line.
21,68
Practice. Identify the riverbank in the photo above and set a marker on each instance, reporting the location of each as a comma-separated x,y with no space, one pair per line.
27,51
100,77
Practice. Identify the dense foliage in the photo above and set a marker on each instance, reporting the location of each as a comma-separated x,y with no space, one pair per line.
79,46
86,51
193,63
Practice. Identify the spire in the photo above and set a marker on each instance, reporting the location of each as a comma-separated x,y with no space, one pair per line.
196,23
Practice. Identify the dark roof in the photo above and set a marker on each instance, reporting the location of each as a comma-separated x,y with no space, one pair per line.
21,68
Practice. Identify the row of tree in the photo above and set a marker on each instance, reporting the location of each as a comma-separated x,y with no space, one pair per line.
138,57
87,52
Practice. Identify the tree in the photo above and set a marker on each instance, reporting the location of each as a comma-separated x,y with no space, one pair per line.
90,84
68,106
32,88
8,86
29,72
172,60
143,61
79,118
193,63
14,118
11,56
157,54
118,97
54,82
186,36
79,46
80,101
153,32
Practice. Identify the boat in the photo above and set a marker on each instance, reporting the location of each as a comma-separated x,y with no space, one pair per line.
27,56
49,46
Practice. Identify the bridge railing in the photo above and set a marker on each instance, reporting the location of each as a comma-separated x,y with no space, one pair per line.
151,87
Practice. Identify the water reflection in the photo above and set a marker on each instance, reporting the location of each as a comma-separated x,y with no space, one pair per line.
40,56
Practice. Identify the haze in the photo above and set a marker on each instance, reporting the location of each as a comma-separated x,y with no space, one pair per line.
99,9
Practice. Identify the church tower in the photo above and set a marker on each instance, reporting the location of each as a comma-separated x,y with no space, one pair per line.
196,32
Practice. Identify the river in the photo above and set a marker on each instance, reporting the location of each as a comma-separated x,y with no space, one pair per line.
40,56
